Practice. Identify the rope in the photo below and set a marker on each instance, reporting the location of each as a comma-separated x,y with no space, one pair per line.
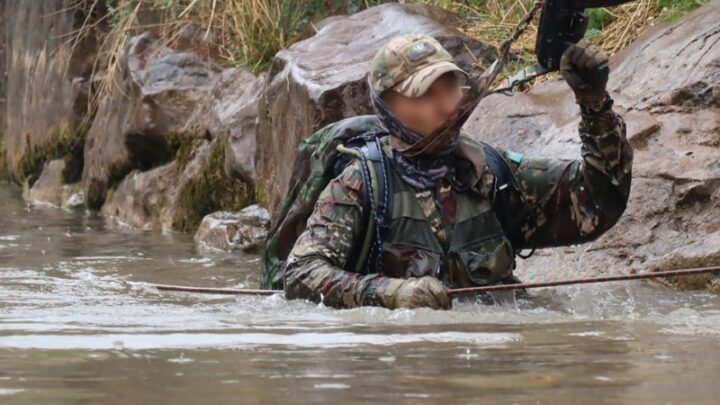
474,290
488,77
620,277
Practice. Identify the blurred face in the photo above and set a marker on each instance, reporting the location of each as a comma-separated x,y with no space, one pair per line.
436,108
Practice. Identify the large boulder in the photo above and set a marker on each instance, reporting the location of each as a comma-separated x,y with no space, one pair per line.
50,188
234,118
322,79
140,201
667,87
3,75
177,195
155,156
157,107
245,230
46,92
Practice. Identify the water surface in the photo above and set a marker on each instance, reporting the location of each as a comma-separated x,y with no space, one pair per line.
79,323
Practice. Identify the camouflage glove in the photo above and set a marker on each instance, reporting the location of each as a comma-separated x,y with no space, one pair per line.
417,292
585,68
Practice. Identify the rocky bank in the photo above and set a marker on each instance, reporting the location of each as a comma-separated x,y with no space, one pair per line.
176,137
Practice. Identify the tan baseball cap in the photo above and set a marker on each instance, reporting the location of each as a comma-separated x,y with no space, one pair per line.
409,64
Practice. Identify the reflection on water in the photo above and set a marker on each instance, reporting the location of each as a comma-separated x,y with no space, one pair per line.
79,323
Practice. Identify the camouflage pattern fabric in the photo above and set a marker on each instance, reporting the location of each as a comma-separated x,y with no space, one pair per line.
574,201
313,168
409,64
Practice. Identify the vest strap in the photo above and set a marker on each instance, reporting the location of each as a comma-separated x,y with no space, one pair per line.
377,197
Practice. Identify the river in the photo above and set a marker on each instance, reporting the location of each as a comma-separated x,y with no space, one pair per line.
79,323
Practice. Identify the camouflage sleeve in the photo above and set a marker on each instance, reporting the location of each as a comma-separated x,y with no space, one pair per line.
575,201
315,267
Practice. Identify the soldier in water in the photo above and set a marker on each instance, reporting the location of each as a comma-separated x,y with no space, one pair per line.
445,231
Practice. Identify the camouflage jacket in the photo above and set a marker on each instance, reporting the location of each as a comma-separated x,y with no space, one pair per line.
574,201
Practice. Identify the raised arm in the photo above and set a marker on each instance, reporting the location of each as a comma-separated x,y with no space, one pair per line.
577,200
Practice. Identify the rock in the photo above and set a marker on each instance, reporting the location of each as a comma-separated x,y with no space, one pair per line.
322,79
140,200
50,188
172,86
46,92
640,126
155,156
155,113
245,230
204,187
673,64
3,75
665,85
696,253
234,118
177,195
106,159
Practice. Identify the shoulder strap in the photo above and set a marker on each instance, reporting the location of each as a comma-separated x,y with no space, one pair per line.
503,185
377,199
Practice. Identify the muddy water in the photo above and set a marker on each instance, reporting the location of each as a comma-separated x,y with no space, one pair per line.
80,324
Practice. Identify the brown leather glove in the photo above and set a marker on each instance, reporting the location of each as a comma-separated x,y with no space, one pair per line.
585,68
416,293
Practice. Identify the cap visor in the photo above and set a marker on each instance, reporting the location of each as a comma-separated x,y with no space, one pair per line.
420,81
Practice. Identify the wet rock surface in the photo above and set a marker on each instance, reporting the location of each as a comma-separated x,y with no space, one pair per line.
245,230
146,153
159,104
234,118
177,195
156,154
46,101
50,188
3,76
666,85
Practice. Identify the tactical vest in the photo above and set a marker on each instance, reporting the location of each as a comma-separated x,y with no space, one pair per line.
477,252
413,249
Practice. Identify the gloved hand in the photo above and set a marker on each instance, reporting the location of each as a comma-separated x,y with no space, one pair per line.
417,292
585,68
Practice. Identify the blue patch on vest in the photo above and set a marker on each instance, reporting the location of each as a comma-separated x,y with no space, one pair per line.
514,156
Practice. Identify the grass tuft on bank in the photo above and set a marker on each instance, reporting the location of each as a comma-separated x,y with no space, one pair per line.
248,33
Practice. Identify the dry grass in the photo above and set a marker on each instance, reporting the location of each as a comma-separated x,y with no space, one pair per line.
493,21
611,28
629,21
242,32
249,32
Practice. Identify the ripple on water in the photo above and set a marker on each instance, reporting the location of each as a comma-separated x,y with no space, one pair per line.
71,296
248,340
9,391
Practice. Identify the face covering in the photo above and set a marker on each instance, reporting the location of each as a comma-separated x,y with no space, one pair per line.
423,160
